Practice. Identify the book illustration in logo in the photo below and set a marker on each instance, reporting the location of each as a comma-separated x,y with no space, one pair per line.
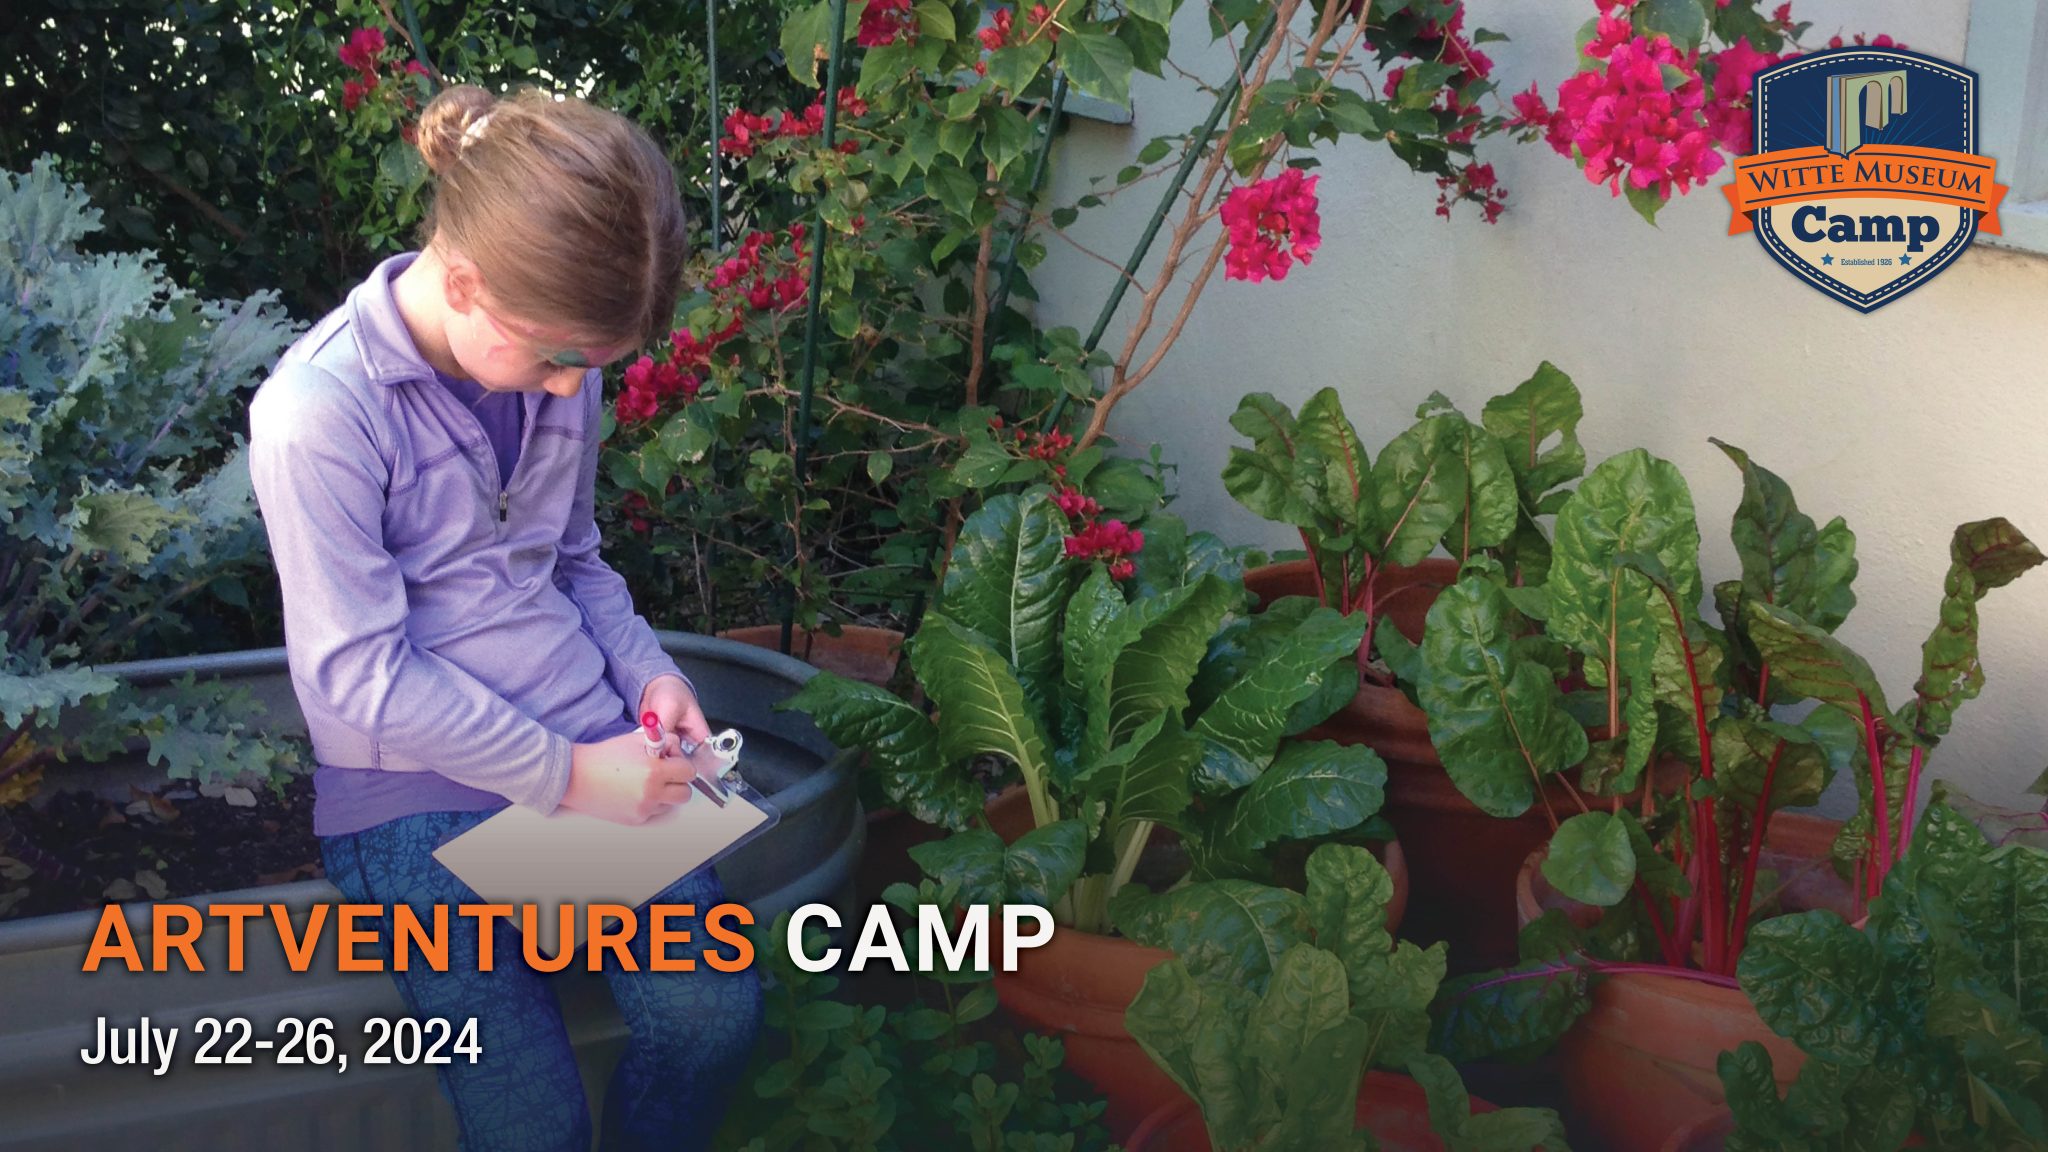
1865,181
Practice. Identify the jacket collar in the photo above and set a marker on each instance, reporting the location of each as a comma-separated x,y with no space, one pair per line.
382,341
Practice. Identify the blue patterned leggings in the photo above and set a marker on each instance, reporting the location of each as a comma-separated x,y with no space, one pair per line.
692,1032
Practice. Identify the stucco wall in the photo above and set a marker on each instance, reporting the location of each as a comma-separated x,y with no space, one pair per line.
1929,412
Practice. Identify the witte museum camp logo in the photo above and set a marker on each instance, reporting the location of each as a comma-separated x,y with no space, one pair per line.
1865,182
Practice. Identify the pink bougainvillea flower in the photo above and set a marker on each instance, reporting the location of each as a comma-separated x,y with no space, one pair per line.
1041,20
1270,225
362,49
636,405
352,94
1076,504
996,35
883,22
1728,113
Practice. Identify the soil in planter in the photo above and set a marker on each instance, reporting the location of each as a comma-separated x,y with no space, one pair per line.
80,849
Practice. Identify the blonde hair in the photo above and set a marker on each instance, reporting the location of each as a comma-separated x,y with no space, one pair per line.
569,211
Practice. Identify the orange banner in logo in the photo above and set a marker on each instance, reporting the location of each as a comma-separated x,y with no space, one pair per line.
1897,171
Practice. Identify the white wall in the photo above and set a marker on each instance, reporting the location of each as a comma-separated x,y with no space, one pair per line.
1908,421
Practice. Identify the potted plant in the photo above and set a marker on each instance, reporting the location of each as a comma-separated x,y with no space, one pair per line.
1926,1025
1370,527
1304,1026
1651,905
1115,677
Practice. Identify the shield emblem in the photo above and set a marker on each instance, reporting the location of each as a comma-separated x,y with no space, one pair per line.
1865,182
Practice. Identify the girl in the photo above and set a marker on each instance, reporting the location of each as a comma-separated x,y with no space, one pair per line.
425,460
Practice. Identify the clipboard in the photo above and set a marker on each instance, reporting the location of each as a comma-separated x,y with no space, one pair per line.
523,856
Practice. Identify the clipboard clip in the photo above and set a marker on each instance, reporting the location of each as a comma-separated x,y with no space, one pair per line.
726,747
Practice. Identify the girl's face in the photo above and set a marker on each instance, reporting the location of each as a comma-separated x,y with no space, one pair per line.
507,354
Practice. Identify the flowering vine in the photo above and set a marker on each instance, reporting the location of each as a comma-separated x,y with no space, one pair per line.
1653,109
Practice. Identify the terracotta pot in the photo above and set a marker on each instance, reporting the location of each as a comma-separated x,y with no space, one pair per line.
1710,1133
1078,986
1462,861
1639,1066
858,652
1393,1108
870,655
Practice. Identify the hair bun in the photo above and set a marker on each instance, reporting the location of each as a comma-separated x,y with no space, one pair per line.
451,113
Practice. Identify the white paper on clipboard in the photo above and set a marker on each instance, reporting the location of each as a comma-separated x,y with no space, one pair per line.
521,856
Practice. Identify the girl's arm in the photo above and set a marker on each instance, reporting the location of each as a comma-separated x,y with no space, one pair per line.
320,480
632,656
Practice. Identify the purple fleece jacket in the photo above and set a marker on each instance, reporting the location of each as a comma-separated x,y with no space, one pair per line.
450,632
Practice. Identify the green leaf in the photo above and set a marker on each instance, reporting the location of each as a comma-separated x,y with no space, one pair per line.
880,464
973,860
1503,1130
901,743
1419,489
1313,788
1684,21
1984,555
1159,12
1044,862
1591,858
954,189
1189,1026
128,523
1773,538
982,707
1097,64
1231,931
804,35
1152,783
45,694
1834,570
1815,980
1006,136
1153,671
1809,662
1489,513
935,20
1496,717
1014,68
1545,405
1632,502
1243,727
1514,1015
1008,580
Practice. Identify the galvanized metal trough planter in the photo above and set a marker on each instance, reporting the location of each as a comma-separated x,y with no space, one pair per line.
49,1007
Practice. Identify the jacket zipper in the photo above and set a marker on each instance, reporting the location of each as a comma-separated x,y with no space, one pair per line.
504,501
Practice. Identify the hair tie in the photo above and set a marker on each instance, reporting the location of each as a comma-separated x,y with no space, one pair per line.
474,130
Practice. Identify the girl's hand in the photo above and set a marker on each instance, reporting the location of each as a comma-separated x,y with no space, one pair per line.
681,717
617,780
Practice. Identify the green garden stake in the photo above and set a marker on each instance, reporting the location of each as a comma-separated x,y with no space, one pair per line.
810,364
717,165
419,41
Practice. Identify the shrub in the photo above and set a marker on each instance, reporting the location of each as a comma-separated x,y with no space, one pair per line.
122,501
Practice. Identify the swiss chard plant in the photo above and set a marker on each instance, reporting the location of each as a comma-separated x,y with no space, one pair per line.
1474,489
1929,1021
1677,868
1118,705
124,500
1278,1002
